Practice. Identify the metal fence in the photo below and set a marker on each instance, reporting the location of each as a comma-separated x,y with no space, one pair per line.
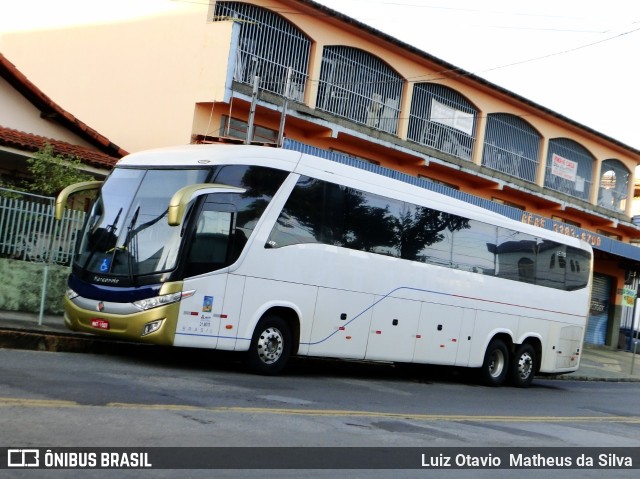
29,231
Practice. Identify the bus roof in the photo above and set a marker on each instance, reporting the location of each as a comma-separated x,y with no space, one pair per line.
211,154
289,160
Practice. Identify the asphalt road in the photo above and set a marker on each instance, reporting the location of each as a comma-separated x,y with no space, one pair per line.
191,398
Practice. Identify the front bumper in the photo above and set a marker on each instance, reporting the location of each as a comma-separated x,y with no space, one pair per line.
128,326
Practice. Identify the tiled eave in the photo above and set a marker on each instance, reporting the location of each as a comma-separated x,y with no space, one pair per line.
29,142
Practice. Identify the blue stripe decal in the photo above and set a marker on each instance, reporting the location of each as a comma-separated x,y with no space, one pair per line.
408,288
442,294
212,336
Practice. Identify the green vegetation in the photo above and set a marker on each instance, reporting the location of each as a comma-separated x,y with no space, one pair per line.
51,172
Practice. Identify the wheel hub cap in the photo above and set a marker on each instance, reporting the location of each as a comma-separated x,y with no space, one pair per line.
270,345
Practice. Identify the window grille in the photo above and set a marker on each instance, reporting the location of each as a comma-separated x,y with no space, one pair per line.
614,186
268,45
511,146
569,168
358,86
442,119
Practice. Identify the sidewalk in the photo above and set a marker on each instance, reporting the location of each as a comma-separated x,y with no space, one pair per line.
22,330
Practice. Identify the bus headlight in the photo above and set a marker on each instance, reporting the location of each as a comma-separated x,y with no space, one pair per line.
149,303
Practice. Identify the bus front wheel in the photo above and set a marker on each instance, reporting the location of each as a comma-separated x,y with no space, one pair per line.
496,363
270,346
523,366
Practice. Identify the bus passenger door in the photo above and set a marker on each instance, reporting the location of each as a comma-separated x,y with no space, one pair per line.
392,334
210,249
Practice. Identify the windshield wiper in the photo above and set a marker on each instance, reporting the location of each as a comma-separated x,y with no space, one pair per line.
130,244
130,234
104,233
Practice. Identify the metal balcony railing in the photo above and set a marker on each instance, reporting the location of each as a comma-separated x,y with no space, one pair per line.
268,45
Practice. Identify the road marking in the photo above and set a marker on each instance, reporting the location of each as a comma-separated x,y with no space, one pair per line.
52,403
23,402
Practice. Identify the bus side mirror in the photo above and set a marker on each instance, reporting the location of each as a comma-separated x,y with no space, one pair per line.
183,196
62,198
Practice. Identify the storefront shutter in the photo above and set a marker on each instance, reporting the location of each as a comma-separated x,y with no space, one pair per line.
599,311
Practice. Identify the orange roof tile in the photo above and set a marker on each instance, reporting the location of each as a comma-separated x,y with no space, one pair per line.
30,142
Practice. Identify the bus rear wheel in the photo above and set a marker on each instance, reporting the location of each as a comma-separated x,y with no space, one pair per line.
496,363
270,346
523,366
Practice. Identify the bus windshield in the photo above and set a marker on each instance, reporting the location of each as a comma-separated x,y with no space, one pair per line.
127,233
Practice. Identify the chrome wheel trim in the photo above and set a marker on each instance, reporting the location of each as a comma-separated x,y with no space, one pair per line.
270,345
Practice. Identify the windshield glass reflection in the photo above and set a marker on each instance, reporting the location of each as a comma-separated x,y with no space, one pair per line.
127,233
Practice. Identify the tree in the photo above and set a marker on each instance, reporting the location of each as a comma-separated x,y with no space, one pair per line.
51,172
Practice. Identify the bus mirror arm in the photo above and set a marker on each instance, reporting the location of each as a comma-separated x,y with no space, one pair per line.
63,196
183,196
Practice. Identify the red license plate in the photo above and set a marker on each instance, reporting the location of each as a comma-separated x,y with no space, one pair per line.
100,323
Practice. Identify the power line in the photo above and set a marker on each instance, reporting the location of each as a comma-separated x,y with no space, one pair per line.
562,52
459,72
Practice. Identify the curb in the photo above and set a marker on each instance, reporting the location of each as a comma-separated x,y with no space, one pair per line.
65,342
69,342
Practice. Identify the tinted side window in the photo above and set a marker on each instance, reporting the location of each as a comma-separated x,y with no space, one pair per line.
226,221
321,212
579,270
516,256
434,232
551,267
211,243
371,223
473,247
260,183
302,217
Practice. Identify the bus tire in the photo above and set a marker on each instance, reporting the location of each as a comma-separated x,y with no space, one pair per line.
270,347
496,363
523,366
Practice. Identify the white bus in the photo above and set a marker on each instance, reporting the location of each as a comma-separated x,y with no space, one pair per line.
278,253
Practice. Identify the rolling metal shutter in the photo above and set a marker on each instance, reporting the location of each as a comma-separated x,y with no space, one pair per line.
599,311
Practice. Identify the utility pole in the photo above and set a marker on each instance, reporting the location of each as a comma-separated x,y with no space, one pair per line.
283,118
252,112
